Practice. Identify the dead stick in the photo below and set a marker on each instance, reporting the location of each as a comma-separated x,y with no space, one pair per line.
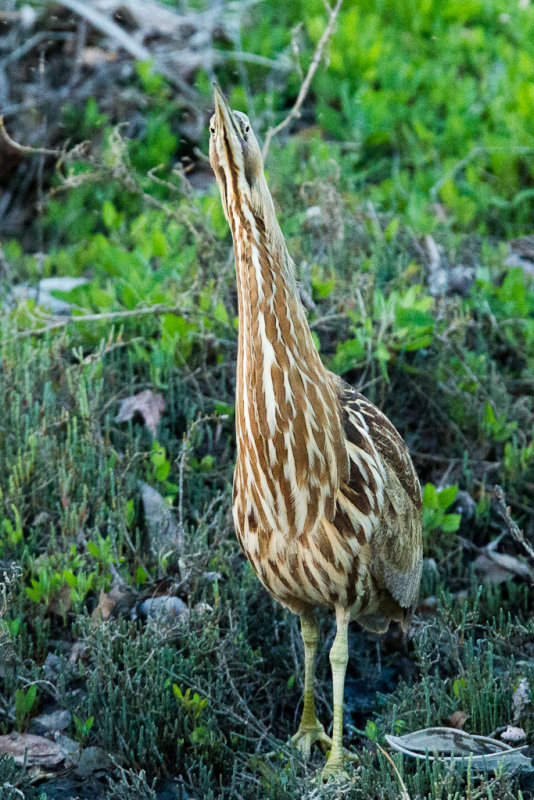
405,795
21,148
112,315
108,27
512,526
295,111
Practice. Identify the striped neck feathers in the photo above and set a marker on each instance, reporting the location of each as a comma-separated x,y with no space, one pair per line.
289,433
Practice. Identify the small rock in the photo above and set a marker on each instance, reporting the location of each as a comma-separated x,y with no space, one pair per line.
212,576
520,700
314,214
76,652
202,608
163,531
461,279
42,293
52,667
28,16
464,505
442,278
513,735
428,604
93,759
69,748
495,567
162,606
32,750
42,518
49,723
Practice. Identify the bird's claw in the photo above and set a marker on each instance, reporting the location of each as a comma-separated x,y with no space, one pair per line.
306,736
334,771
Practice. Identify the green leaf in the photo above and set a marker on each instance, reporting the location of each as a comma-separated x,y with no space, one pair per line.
70,577
207,463
419,342
163,470
158,455
224,409
489,415
430,496
220,313
451,522
93,549
447,496
109,214
140,576
159,243
382,353
371,730
349,354
29,699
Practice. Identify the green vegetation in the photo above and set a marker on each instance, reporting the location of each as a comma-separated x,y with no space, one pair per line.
421,124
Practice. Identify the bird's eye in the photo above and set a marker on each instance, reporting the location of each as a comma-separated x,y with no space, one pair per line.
212,129
247,128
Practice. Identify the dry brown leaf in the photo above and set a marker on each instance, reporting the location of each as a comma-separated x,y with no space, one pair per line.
498,567
148,403
116,602
61,603
40,750
457,720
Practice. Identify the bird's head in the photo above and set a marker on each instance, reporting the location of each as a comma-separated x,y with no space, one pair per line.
235,157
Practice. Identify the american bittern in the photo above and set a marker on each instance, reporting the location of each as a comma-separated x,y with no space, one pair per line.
327,504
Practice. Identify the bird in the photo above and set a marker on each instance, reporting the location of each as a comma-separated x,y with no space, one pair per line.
327,504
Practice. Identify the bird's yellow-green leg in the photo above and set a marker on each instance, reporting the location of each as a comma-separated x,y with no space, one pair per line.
339,656
310,729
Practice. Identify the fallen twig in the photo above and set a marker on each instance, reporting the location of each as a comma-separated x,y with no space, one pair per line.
24,149
111,315
512,526
295,111
404,790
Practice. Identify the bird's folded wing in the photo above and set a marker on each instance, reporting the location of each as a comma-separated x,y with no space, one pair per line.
396,544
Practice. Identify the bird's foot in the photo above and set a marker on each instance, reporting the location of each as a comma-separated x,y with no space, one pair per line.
308,735
334,769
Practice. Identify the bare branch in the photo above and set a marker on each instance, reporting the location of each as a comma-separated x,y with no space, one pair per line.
21,148
512,526
304,89
108,27
111,315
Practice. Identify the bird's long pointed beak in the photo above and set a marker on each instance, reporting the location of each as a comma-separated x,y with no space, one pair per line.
224,118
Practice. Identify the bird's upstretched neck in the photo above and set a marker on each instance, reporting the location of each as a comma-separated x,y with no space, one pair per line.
291,454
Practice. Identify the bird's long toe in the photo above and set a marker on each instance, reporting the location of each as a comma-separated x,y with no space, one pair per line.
333,772
334,769
306,736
